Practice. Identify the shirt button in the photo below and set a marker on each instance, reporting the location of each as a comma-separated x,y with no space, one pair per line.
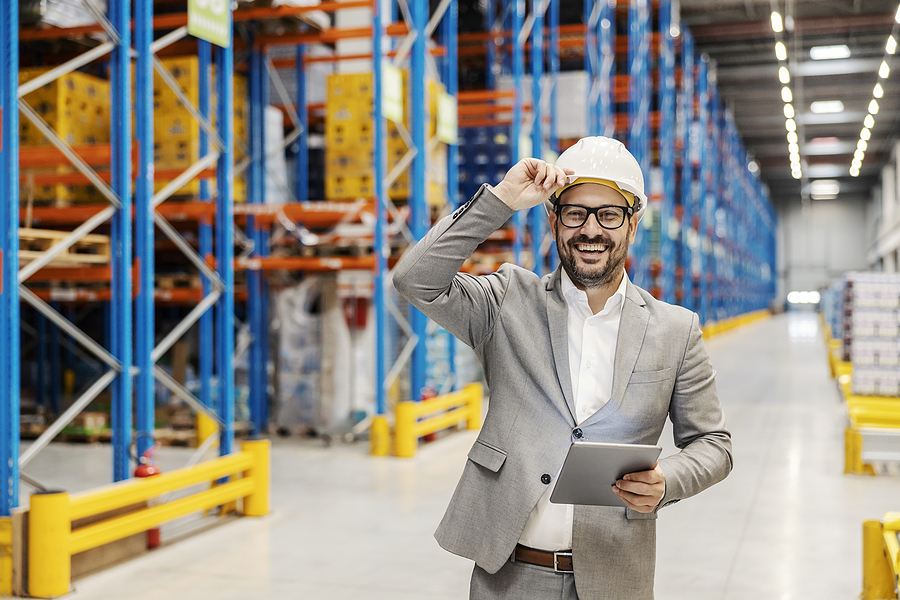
546,479
577,433
588,365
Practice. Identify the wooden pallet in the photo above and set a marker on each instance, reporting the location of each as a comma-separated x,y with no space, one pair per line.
172,281
92,249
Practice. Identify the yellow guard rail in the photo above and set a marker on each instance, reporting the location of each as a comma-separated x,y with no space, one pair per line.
52,541
415,419
881,558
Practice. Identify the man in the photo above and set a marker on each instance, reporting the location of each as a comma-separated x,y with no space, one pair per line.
582,354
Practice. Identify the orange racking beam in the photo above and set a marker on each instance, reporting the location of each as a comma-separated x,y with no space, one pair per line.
80,274
290,63
484,96
329,36
32,157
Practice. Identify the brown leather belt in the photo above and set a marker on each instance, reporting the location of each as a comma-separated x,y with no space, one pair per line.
558,561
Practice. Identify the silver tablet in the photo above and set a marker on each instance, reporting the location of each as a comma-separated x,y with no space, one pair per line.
592,468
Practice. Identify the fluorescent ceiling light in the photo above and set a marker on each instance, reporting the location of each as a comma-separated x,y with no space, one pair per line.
827,106
865,134
884,70
784,76
675,31
788,111
794,148
829,52
854,172
777,25
878,92
873,107
790,125
780,51
825,187
792,137
796,174
869,121
891,46
786,94
752,166
862,145
859,154
897,16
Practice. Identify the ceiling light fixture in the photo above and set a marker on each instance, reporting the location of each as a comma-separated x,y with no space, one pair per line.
827,106
865,134
788,111
794,149
780,51
859,154
752,166
891,46
897,16
796,174
862,145
792,137
790,125
784,76
777,25
786,94
884,70
878,92
869,121
829,52
854,172
873,107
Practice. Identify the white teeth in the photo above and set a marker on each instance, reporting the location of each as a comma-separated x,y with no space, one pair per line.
591,247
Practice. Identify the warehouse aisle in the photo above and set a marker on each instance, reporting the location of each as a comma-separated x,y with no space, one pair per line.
786,524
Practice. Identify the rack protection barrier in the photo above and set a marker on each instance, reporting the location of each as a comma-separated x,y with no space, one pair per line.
881,558
416,419
52,541
718,327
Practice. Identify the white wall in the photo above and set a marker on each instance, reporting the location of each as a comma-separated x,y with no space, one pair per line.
884,247
820,242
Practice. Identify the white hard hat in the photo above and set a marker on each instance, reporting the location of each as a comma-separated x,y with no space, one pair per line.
607,159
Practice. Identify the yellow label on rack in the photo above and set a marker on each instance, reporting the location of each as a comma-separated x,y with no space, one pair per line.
446,118
392,93
210,20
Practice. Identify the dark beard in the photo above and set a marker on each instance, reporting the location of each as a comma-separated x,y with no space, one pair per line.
594,277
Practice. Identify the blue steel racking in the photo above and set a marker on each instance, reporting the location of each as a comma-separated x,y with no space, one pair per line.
136,356
664,198
640,85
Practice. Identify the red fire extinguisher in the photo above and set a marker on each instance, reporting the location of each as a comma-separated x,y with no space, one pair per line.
146,468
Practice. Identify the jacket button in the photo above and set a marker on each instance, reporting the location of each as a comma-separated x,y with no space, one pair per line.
546,479
577,433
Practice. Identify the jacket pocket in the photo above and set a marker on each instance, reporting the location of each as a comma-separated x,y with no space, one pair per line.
651,376
633,515
487,456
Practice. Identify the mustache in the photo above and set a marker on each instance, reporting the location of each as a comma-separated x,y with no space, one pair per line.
594,240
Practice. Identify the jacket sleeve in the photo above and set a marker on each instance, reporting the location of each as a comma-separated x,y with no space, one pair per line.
428,275
698,426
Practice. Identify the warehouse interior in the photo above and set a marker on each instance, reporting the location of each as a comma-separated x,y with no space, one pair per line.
211,386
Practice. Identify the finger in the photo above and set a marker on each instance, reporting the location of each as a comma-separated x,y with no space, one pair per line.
561,177
541,180
653,476
635,487
636,501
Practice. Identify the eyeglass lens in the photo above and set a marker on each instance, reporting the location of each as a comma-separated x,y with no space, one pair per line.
609,217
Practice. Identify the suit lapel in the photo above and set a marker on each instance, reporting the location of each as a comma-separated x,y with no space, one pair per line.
632,328
558,319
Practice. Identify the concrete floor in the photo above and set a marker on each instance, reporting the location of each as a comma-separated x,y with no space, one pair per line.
785,525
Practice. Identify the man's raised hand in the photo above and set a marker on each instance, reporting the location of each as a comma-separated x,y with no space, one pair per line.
529,182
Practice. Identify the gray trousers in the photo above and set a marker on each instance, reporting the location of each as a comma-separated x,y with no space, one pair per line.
522,581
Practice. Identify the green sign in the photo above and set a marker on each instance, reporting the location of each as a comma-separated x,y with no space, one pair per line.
210,20
392,93
446,118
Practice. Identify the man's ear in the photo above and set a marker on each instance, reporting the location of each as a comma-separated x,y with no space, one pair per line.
632,228
551,219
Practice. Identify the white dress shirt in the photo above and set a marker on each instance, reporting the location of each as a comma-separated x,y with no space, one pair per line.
592,351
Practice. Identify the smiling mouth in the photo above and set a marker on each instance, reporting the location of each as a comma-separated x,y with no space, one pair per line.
592,249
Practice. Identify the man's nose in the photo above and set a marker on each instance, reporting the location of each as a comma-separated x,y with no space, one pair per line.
592,225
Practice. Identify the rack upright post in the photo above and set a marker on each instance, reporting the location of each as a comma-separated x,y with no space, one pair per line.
9,256
536,214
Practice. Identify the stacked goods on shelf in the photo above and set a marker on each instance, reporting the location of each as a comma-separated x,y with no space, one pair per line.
872,332
176,132
349,137
76,107
831,305
484,157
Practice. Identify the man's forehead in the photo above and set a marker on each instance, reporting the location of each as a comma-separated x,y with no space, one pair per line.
592,193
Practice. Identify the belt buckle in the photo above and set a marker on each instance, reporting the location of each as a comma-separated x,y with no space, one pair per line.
556,556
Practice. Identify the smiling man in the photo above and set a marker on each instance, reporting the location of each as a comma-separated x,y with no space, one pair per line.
582,354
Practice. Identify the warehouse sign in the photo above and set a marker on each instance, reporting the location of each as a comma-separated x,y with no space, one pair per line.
392,93
446,118
210,20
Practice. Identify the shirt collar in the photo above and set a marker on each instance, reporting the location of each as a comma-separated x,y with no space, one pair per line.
574,295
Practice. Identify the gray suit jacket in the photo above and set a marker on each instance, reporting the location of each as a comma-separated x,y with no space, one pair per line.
517,325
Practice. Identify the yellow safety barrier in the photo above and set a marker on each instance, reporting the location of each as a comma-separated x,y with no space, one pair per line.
718,327
881,558
52,541
415,419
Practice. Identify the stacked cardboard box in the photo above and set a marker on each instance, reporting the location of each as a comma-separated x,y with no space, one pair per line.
349,137
76,106
871,332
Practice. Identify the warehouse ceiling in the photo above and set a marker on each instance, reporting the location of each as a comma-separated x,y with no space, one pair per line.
739,38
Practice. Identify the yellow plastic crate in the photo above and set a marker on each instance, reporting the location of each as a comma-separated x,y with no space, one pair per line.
349,187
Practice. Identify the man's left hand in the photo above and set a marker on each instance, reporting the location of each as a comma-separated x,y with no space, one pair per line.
643,490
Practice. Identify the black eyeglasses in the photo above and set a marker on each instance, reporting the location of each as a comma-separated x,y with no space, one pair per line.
609,217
